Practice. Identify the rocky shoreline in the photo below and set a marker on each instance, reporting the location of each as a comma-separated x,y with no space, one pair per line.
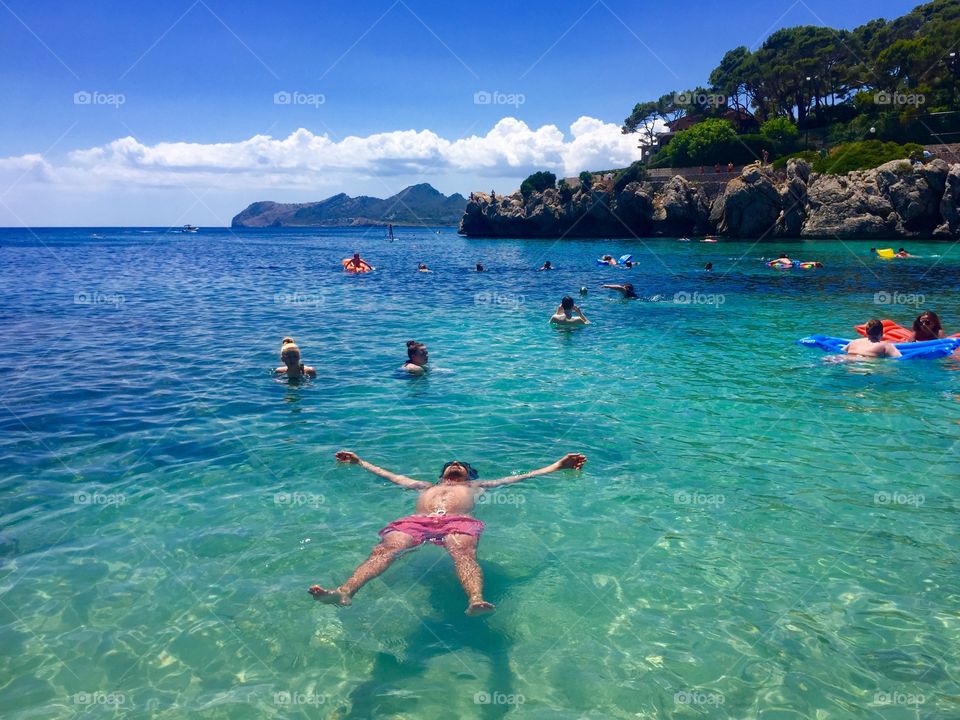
895,200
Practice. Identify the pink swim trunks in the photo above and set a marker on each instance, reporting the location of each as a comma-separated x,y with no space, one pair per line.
434,527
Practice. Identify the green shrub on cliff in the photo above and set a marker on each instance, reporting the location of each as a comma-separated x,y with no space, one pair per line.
811,156
635,173
779,129
538,182
701,143
749,148
586,180
714,141
864,155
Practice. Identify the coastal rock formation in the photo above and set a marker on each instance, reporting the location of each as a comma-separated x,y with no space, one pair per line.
950,205
893,200
847,206
584,212
635,207
680,209
793,199
749,206
896,200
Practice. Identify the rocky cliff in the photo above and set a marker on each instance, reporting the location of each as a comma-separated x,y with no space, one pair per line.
895,200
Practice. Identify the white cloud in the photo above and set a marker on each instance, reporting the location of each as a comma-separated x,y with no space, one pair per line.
128,182
304,159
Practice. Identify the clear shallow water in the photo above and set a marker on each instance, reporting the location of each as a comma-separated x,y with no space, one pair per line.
757,533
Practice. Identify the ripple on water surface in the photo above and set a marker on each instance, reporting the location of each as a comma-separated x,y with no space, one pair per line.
757,533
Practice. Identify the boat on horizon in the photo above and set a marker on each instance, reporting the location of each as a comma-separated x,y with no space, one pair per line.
189,229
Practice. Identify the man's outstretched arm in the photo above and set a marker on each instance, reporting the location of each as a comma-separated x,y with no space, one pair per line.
402,480
570,461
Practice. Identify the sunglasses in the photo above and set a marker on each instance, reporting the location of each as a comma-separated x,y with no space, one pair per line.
471,472
926,321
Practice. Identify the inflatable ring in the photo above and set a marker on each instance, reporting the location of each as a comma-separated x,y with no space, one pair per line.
348,266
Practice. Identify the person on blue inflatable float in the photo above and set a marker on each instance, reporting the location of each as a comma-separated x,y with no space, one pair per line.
873,345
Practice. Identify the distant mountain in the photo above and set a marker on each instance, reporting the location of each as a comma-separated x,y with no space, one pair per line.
415,205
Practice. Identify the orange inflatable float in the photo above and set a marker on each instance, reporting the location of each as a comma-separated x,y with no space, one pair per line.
359,265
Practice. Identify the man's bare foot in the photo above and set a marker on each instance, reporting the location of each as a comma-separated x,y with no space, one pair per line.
479,607
330,597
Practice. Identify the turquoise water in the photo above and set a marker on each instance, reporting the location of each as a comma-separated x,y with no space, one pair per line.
757,533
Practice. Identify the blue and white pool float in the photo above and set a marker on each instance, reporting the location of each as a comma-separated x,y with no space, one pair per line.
623,259
926,350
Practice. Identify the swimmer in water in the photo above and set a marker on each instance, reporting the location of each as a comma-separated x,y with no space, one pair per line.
927,327
708,267
480,267
442,516
547,266
422,267
626,289
358,263
290,357
568,314
417,357
873,345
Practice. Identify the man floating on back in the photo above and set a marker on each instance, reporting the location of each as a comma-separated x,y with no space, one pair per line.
442,516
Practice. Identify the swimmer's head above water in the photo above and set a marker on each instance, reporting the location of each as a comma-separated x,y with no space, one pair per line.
416,352
875,330
293,366
457,471
567,303
289,352
417,356
927,326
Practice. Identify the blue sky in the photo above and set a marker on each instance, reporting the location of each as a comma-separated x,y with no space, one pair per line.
205,73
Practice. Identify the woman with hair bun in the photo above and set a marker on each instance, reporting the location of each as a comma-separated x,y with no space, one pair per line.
290,357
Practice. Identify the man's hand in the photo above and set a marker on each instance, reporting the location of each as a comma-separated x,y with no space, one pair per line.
348,457
571,461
